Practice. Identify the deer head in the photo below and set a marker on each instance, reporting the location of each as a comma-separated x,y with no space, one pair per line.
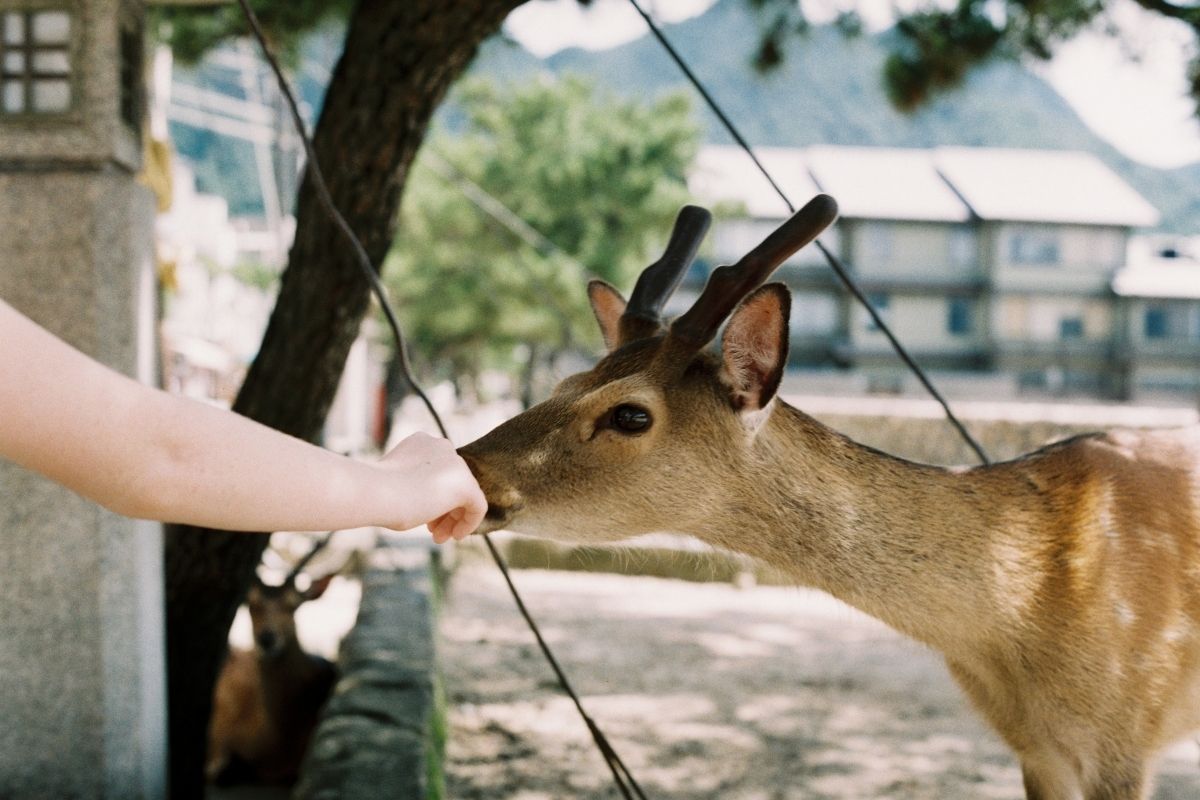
649,438
273,613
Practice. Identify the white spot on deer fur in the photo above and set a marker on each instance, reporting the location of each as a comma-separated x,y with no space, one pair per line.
1108,523
752,420
1125,614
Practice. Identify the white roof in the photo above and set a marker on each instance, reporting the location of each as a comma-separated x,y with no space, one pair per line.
944,184
886,183
1042,186
725,173
1165,279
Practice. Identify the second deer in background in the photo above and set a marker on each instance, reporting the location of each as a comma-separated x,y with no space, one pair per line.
267,702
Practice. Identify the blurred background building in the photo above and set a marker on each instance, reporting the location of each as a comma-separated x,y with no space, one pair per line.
1021,268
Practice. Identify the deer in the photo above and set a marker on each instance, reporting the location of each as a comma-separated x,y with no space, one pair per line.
267,701
1062,588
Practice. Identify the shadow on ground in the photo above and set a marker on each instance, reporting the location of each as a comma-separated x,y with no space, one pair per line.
708,691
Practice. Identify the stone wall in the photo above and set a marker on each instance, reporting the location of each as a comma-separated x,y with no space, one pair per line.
380,735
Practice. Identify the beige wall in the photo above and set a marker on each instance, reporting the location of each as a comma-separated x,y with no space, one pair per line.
733,238
1080,258
1037,318
920,321
914,249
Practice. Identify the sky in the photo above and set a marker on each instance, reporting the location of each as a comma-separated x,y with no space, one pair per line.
1132,90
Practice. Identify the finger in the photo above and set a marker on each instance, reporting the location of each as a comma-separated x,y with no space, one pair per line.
464,528
474,511
445,525
440,530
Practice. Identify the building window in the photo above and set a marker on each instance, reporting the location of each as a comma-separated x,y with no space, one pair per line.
958,316
1156,323
1034,246
1070,328
880,302
35,62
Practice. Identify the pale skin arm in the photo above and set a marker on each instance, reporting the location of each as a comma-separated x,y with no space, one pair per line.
144,453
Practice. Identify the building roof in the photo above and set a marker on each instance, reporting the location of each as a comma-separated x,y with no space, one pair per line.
725,173
1164,281
945,184
886,183
1042,186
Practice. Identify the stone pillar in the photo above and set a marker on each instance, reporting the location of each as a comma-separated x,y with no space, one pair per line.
82,685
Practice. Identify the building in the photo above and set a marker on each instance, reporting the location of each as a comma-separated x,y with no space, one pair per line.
1159,319
983,261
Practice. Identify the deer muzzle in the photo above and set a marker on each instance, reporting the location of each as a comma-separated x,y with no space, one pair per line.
504,501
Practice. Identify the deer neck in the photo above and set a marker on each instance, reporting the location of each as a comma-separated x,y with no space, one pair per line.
912,545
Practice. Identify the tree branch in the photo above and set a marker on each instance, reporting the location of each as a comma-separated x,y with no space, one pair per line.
1189,15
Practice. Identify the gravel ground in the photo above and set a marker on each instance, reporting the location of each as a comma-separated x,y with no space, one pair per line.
709,691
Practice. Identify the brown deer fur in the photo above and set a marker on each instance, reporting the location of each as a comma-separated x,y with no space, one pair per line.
267,701
1063,587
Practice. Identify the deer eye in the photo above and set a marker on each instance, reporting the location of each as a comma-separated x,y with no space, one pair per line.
629,419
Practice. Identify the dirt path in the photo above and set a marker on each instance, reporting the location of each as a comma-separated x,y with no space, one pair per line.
708,691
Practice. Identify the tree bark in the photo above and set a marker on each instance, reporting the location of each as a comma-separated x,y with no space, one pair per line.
400,58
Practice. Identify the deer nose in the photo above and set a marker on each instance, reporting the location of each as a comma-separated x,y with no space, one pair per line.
503,499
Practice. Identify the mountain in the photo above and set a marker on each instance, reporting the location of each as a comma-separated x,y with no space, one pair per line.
828,90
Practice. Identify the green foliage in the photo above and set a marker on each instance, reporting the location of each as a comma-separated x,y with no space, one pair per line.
934,51
435,742
938,45
600,178
193,31
257,275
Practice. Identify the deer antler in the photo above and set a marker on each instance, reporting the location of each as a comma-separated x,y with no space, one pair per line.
728,285
303,562
643,314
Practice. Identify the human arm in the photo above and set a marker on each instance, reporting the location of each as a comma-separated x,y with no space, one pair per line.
144,453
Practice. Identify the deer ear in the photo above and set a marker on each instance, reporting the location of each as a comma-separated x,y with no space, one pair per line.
608,305
754,347
317,588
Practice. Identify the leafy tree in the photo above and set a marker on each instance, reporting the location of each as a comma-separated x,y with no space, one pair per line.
600,178
937,46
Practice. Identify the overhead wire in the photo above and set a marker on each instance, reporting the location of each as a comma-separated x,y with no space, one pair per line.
834,262
622,777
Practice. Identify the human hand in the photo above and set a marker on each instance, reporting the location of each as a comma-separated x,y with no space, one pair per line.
439,489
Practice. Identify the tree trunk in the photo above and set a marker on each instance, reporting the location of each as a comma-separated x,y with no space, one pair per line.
400,58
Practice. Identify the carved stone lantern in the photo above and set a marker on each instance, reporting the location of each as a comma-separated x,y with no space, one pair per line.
81,617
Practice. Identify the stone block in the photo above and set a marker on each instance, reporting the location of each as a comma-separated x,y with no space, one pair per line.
375,735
